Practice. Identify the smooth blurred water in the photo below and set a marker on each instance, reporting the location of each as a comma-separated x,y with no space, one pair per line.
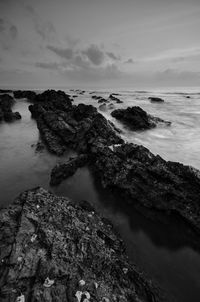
163,249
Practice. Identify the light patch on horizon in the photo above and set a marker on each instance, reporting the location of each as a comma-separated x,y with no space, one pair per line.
111,42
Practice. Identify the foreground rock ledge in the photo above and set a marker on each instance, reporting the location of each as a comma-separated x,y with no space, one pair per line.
54,250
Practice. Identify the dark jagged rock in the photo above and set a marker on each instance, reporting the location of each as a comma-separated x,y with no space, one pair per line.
136,118
63,170
96,97
54,250
155,99
148,180
6,114
20,94
5,91
54,97
102,100
64,125
113,98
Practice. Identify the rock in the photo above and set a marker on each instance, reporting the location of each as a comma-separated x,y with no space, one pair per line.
102,100
65,126
51,267
6,114
188,97
142,178
155,99
63,170
111,106
136,118
27,94
5,91
113,98
103,107
12,116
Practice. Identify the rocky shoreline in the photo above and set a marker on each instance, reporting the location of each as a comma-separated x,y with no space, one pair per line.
127,170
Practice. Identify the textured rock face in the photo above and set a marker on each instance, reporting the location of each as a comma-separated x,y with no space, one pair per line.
54,250
30,95
63,171
6,114
137,119
148,180
62,125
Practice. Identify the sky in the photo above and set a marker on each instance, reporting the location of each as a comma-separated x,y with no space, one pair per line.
99,43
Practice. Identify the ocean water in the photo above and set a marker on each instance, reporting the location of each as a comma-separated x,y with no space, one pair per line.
163,249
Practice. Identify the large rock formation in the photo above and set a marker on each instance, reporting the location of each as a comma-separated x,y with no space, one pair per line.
137,119
29,95
6,114
53,250
62,125
148,180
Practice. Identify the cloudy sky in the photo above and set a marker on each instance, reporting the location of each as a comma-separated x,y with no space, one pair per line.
100,43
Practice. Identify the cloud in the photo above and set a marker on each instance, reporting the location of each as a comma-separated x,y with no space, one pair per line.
2,25
94,54
13,31
50,65
113,56
8,28
45,29
174,55
171,75
66,53
129,61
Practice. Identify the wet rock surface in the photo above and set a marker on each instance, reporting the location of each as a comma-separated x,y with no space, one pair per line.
27,94
54,250
64,170
115,99
148,180
136,118
155,99
63,125
6,114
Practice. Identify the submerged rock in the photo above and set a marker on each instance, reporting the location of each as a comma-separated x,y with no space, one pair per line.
136,118
6,114
54,250
63,170
155,99
113,98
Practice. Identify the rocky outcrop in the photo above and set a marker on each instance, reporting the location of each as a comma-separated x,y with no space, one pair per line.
6,114
155,99
148,180
5,91
27,94
63,170
62,125
136,118
113,98
54,250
